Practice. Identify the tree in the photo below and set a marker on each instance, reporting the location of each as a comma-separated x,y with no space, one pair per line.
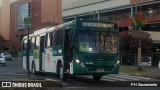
1,39
129,44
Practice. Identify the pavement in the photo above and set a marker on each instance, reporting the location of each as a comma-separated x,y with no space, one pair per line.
154,74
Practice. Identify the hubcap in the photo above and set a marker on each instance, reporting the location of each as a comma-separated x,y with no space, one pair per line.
61,72
33,70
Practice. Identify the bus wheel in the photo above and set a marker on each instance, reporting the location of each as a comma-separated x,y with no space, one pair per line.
96,77
61,73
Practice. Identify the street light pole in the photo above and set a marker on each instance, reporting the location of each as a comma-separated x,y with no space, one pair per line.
27,54
28,24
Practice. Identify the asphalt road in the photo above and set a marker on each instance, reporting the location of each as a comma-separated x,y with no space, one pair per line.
13,71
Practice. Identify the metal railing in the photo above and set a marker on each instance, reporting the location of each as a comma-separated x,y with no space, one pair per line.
131,59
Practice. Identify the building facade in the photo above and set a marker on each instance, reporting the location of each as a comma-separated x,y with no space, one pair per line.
43,13
119,11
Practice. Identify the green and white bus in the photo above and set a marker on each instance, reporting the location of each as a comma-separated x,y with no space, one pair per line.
78,47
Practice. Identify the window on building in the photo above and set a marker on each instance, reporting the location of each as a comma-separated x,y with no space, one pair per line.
22,11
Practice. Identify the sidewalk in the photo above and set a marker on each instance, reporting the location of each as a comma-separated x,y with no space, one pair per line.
150,72
154,73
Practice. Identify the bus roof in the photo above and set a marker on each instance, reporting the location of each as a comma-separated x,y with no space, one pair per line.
48,29
45,30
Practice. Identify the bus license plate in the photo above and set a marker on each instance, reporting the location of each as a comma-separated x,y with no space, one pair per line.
100,70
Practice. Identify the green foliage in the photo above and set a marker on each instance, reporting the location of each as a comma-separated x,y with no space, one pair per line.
156,58
2,39
14,53
129,44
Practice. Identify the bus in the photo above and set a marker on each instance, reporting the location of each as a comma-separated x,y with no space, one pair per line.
78,47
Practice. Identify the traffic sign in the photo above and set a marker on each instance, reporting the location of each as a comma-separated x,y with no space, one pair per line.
28,21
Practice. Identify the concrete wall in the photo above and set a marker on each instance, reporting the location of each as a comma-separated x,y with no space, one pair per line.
5,19
155,36
50,11
11,1
73,7
0,20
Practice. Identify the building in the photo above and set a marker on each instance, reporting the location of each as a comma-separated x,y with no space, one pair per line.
118,11
44,13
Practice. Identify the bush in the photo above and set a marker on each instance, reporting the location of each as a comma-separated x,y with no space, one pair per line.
156,58
129,44
14,53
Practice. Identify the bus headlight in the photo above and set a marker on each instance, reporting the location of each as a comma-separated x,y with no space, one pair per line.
77,61
59,50
117,62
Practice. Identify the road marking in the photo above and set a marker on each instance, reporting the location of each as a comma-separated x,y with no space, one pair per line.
49,79
126,77
137,77
114,78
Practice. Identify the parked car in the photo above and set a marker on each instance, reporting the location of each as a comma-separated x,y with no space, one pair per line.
2,61
6,56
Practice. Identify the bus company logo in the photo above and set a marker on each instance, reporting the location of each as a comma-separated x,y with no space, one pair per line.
6,84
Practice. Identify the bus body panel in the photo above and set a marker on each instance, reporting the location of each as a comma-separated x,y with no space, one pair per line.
24,62
36,59
96,64
51,60
77,62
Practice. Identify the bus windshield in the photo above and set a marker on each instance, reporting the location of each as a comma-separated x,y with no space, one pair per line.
90,41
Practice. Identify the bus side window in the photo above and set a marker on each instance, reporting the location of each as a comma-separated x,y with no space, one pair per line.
25,45
54,34
60,37
51,38
46,39
37,42
32,43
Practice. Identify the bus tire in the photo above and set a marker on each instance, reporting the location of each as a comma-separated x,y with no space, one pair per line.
97,77
61,73
34,72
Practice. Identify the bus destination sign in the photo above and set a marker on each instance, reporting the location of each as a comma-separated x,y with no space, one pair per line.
98,25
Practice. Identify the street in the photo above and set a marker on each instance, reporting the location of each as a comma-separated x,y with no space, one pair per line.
13,71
